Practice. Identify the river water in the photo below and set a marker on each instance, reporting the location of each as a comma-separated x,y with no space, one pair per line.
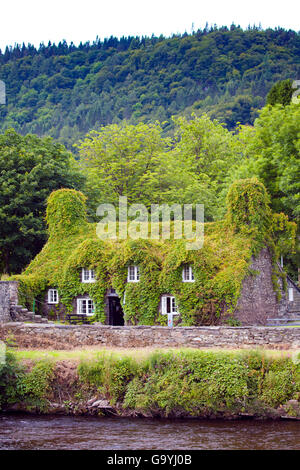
28,432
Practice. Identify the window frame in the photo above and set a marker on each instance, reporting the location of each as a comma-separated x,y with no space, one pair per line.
136,273
51,301
164,307
79,309
190,273
91,278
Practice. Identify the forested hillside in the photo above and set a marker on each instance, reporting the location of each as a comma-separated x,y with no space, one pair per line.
65,91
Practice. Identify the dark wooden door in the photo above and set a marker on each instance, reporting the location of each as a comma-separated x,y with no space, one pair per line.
116,315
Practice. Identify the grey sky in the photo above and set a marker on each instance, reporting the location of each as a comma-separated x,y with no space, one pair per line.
37,21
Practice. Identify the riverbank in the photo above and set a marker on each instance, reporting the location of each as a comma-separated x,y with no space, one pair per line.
177,383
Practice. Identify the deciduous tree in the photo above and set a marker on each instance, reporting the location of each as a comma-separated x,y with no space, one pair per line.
30,169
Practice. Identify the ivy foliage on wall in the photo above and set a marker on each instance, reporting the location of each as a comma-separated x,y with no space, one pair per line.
219,267
248,208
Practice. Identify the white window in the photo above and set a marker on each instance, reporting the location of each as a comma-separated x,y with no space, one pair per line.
187,274
85,306
52,296
291,294
133,274
168,305
88,275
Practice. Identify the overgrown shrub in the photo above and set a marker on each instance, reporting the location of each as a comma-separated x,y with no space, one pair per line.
281,382
109,375
189,382
34,386
92,372
31,387
9,372
278,387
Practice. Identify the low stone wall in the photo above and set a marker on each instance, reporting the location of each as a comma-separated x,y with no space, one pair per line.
8,297
55,336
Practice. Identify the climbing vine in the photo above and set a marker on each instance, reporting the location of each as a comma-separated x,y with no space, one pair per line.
248,209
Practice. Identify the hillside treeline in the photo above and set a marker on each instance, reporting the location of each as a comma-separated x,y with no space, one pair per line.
65,90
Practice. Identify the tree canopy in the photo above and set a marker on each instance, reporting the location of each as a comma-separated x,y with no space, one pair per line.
271,151
280,93
137,161
30,169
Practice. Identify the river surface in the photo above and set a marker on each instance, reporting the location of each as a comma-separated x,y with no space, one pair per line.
30,432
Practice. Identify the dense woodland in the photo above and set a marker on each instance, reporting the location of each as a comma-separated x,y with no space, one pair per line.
65,91
160,120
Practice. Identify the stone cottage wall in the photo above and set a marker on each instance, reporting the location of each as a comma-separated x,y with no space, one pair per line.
51,311
258,300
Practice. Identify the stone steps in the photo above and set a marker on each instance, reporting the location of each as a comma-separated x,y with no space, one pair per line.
293,312
295,307
20,313
290,321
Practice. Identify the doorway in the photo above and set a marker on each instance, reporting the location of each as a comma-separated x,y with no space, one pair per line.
116,315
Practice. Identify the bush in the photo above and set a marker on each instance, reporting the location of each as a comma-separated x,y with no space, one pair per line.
109,374
92,373
188,382
18,385
281,382
278,388
34,386
8,378
118,374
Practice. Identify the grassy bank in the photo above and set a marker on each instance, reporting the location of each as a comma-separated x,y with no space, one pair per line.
165,383
138,354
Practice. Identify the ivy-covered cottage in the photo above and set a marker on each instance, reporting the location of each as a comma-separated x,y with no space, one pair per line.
233,279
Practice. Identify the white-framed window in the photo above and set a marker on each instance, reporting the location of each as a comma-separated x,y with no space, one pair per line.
187,274
53,296
291,294
88,275
168,305
85,306
133,273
